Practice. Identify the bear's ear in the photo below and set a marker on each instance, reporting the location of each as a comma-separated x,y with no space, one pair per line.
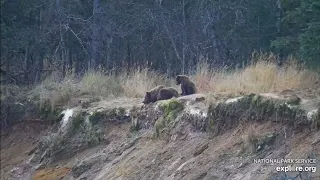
148,94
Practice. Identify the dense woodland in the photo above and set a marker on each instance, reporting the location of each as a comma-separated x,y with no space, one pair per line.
170,36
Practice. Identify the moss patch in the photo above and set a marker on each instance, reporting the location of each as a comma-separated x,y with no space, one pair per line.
171,109
46,113
86,130
109,115
77,120
121,111
96,116
93,135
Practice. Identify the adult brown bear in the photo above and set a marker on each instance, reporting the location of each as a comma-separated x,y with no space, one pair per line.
187,86
152,95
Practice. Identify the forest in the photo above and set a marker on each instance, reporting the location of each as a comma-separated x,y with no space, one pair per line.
40,37
159,89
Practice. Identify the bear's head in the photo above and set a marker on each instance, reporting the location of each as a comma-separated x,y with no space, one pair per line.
147,98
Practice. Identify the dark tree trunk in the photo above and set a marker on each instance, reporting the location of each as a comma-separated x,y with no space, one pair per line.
77,65
26,66
64,63
8,72
95,36
129,63
39,67
70,61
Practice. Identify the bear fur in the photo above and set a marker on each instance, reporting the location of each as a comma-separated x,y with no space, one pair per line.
187,86
151,96
167,93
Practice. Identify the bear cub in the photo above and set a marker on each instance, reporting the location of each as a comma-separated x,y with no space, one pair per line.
167,93
187,86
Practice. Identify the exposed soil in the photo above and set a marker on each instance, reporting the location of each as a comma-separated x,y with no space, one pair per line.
19,142
185,153
195,157
51,173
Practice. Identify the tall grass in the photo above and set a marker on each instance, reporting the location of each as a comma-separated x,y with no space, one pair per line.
262,75
137,82
99,84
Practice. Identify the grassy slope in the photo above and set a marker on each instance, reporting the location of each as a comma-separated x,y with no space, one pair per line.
259,77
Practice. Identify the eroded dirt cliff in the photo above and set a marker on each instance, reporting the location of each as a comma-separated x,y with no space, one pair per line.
191,137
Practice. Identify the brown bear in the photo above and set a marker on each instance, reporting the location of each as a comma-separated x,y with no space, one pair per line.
152,95
167,93
187,86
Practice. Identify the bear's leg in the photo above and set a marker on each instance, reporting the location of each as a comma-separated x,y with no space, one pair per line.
183,90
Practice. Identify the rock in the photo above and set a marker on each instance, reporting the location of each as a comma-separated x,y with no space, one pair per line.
80,169
198,99
131,143
85,104
201,176
193,98
86,164
31,151
201,149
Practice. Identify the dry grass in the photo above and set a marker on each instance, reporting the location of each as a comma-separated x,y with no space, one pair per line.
99,84
204,77
55,91
137,82
261,76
